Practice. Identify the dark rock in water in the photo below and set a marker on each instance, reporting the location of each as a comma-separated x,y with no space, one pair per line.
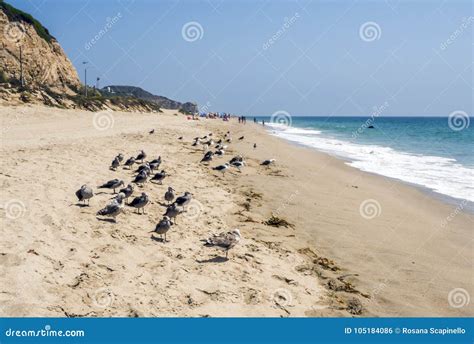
370,127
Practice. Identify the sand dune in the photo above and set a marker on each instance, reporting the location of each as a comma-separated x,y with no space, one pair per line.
58,259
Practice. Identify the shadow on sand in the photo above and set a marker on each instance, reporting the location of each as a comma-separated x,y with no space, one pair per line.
217,259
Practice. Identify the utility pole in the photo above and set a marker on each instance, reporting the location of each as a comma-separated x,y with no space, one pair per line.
85,76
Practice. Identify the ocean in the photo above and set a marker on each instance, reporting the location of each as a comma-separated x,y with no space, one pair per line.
432,152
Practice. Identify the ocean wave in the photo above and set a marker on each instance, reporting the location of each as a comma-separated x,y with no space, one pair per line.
442,175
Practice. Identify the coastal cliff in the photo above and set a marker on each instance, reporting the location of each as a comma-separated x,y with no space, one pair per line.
34,69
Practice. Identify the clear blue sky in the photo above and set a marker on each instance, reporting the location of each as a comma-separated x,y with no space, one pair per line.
318,65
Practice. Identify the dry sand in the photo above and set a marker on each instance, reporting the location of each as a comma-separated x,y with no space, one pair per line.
58,259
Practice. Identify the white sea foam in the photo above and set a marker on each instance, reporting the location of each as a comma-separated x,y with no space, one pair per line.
443,175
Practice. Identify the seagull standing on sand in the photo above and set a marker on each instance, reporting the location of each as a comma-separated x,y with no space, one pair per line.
129,163
207,156
172,211
184,200
169,195
236,158
163,227
238,164
140,202
141,156
221,168
115,163
120,157
241,138
112,184
144,168
224,241
140,178
254,145
128,191
113,209
84,194
156,161
159,177
267,162
219,152
152,131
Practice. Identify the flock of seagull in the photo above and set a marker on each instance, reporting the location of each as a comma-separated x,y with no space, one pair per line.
175,205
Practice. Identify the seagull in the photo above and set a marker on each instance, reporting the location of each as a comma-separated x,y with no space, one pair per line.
120,157
115,163
219,152
236,158
144,168
130,162
169,195
229,140
207,156
84,194
163,227
172,211
140,202
221,168
141,156
182,201
140,178
241,138
112,184
238,164
267,162
128,191
154,165
113,209
152,131
224,241
158,177
254,145
156,161
180,138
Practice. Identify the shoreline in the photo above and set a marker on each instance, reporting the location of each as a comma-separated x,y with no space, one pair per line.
465,205
330,261
449,197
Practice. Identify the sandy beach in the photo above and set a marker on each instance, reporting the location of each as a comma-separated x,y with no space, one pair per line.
356,244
